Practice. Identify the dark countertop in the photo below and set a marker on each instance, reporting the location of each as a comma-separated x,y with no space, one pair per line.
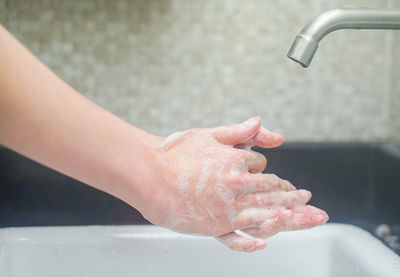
355,183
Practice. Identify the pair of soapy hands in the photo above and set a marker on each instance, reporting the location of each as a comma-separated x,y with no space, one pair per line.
211,184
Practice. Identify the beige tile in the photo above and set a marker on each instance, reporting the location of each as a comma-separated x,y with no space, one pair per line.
176,64
395,90
327,5
3,11
354,78
395,82
394,4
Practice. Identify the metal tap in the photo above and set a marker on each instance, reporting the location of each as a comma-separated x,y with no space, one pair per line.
306,43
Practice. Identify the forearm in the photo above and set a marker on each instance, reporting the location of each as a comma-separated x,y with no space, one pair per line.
204,182
43,118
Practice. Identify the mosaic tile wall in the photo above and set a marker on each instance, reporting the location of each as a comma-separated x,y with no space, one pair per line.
166,65
395,89
395,109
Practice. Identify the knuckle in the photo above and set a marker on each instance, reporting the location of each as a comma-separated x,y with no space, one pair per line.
239,156
258,161
273,179
249,178
287,185
239,222
261,157
233,179
234,183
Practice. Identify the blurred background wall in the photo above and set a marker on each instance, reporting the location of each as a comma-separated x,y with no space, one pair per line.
167,65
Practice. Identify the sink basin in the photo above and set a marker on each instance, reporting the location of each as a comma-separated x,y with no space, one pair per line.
330,250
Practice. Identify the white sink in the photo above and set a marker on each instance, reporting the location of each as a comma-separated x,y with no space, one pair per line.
330,250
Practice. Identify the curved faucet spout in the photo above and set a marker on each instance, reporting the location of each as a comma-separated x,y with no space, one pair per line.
306,43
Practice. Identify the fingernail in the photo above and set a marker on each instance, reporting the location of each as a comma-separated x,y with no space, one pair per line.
279,138
306,193
251,121
256,245
319,217
260,244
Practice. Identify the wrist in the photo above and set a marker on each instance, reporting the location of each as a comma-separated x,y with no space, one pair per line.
136,172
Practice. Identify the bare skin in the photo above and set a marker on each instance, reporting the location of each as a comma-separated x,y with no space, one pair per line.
201,181
229,192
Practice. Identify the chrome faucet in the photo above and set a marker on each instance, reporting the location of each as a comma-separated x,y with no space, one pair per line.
306,43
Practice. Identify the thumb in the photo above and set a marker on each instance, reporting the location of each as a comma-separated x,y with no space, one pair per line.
237,133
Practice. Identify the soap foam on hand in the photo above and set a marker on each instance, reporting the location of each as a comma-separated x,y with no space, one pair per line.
214,186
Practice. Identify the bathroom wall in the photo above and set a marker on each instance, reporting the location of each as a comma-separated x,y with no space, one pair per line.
166,65
395,107
395,86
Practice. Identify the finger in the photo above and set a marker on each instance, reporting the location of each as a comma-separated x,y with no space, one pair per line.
239,243
303,217
244,162
264,138
287,199
237,133
306,217
253,217
270,227
265,183
255,161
